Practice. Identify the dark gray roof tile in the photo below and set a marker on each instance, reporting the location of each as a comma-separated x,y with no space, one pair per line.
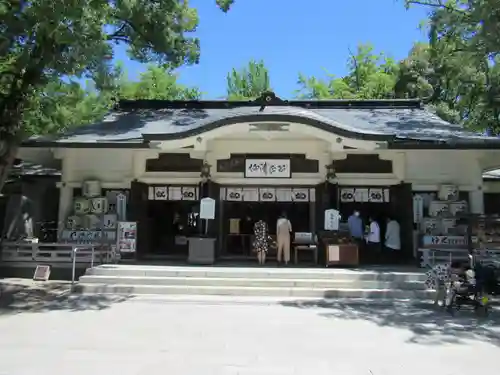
403,123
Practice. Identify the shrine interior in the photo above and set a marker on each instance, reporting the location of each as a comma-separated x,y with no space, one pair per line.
169,225
239,218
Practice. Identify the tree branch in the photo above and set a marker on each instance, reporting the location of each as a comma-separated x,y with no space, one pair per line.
118,34
356,70
438,5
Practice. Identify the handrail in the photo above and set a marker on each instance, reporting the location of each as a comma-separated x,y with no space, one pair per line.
73,266
430,257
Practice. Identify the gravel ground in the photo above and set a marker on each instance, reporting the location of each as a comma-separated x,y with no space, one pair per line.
54,333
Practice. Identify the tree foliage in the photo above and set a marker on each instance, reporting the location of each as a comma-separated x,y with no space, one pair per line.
248,82
42,41
463,56
370,76
156,83
475,22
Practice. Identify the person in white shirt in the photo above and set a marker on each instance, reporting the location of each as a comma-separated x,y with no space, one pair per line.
283,230
392,239
373,241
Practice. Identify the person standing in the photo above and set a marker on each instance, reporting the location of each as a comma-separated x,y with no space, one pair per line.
392,251
373,241
261,242
283,230
355,224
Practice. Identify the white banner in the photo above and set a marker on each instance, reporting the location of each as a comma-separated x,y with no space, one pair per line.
376,195
361,195
267,195
347,195
234,194
300,195
284,194
189,193
251,194
312,195
175,193
387,196
161,193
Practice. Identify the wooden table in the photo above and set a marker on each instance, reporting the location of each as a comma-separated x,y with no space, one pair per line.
341,254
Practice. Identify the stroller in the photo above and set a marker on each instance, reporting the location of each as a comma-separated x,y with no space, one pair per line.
467,286
489,274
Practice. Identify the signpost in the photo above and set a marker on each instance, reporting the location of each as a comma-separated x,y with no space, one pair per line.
207,211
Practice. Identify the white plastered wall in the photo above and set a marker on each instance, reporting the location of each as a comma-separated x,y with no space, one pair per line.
425,169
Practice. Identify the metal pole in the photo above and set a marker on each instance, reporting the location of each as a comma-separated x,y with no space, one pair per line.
92,260
206,227
73,269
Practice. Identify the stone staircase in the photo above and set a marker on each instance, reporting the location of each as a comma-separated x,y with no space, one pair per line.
253,282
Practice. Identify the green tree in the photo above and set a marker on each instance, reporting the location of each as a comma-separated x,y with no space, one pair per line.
476,22
43,40
458,83
61,105
157,83
370,76
249,82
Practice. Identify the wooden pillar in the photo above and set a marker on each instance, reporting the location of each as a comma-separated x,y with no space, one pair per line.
326,197
211,189
320,207
138,211
401,201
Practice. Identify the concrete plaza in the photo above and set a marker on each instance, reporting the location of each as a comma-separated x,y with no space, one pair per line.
61,334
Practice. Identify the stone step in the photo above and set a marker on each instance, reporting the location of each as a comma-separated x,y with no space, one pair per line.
258,273
333,283
124,289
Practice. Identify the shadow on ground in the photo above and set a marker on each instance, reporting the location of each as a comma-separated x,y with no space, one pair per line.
18,298
429,325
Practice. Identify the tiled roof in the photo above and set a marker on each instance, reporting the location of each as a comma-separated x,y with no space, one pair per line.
399,123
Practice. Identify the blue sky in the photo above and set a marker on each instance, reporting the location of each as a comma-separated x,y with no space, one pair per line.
292,36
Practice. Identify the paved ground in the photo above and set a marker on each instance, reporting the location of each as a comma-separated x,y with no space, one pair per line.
54,333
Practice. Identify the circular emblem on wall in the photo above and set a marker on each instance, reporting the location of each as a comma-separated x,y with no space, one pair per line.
376,196
188,194
347,196
300,196
267,196
160,193
234,195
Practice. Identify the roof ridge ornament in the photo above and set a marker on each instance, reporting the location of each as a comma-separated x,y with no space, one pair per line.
269,98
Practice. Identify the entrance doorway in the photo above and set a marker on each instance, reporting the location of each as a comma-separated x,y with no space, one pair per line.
370,202
170,223
239,217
